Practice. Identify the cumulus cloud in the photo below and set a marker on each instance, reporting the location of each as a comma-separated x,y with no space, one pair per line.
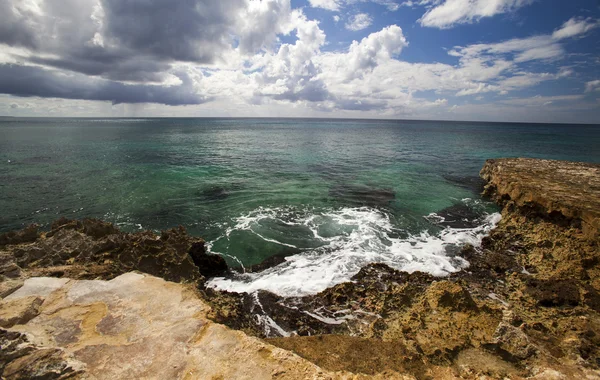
231,53
452,12
139,40
359,21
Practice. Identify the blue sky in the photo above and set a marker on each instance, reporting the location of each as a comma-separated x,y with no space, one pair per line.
497,60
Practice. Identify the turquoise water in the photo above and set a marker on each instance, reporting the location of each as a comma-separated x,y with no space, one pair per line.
254,188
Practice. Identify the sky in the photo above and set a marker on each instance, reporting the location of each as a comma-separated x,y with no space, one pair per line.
483,60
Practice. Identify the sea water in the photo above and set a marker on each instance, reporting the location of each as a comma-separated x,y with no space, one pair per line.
325,197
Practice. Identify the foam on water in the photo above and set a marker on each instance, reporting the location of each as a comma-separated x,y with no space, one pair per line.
351,238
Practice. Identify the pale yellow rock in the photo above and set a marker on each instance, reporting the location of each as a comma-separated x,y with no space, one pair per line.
142,327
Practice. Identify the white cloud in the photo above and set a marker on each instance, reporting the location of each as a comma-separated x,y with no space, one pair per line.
331,5
336,19
251,72
337,5
452,12
574,27
359,21
592,86
363,56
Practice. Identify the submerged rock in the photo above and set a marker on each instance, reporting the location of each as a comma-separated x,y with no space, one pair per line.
363,195
459,216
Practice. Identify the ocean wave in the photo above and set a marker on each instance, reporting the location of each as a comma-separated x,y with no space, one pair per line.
350,238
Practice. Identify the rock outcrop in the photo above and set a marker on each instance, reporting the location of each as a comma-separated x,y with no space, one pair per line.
527,307
93,249
560,191
132,327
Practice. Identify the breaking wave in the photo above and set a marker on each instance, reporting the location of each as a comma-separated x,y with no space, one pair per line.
346,240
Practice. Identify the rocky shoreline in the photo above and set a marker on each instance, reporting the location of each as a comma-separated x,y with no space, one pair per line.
528,306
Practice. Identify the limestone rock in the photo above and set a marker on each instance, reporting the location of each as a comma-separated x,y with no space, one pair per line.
135,326
91,249
8,286
27,235
568,192
513,342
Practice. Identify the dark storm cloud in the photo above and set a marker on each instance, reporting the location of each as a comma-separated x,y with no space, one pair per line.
16,28
133,40
108,41
109,65
184,30
28,81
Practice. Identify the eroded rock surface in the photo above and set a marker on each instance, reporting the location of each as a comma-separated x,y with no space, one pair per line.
135,326
561,191
93,249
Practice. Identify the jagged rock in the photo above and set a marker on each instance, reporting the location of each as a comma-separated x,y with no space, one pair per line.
562,191
512,343
446,294
26,235
20,360
209,265
95,249
19,311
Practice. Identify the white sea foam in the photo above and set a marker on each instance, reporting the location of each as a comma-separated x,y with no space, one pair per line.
351,238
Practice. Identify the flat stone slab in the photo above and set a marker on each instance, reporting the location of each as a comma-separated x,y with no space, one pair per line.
138,326
562,189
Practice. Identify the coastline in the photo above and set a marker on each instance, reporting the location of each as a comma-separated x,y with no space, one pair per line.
527,307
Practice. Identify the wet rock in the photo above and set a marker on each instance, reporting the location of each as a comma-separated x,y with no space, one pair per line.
473,183
459,216
274,260
209,265
553,293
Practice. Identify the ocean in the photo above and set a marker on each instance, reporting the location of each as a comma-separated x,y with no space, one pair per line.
317,198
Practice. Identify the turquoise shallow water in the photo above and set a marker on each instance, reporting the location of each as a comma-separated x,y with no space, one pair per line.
255,188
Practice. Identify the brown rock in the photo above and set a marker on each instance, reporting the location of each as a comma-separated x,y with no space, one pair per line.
26,235
19,311
512,343
566,192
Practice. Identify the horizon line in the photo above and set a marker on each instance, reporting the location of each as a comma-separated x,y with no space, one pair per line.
296,118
